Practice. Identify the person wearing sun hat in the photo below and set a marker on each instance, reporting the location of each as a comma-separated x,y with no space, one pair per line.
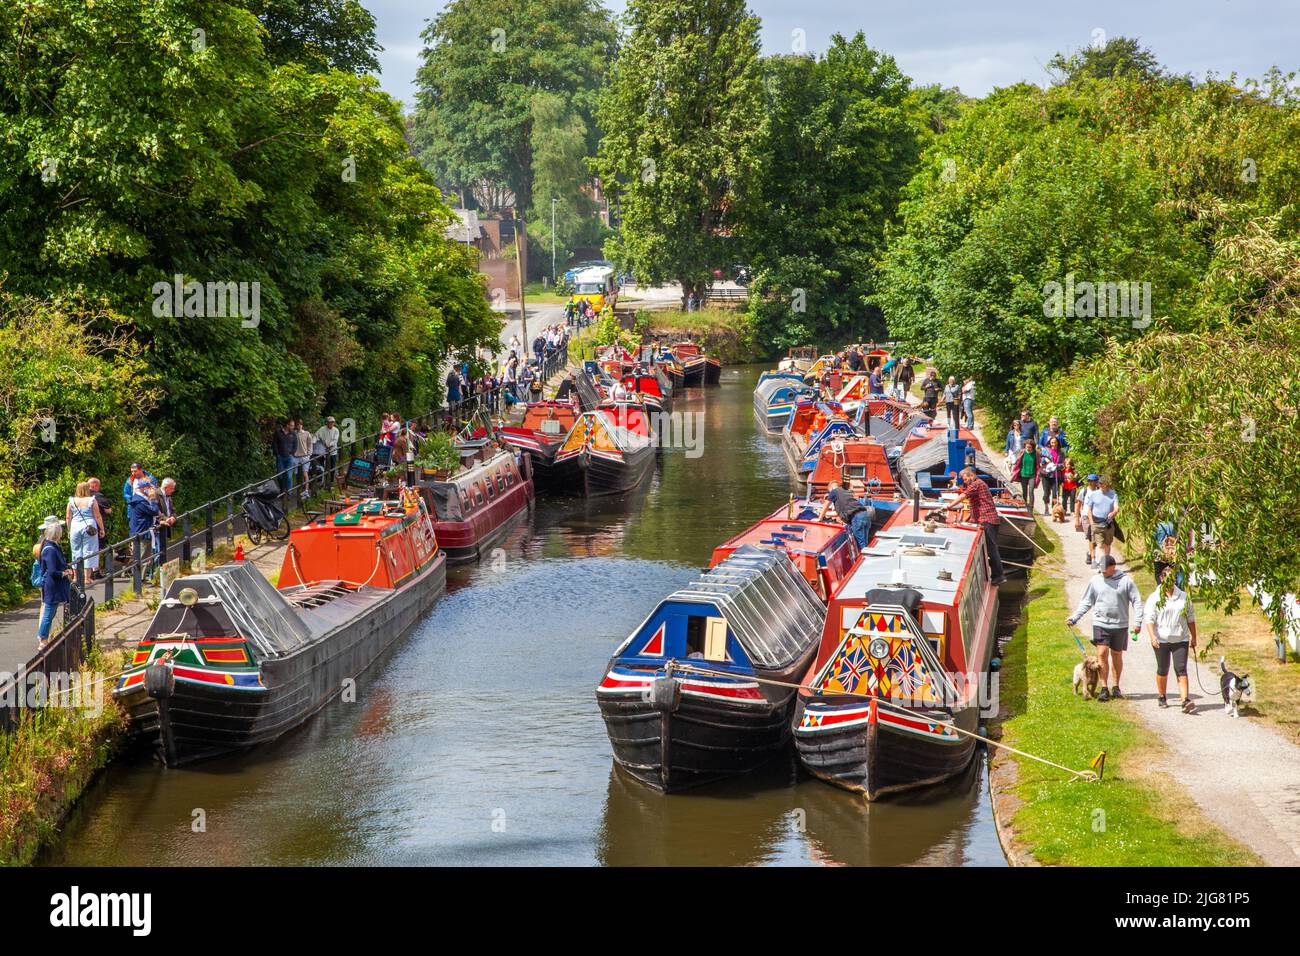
55,576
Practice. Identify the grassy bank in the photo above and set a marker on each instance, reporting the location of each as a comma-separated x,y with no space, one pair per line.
47,763
725,333
1137,816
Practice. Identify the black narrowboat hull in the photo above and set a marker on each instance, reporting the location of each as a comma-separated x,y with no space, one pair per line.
712,371
592,476
699,742
693,372
198,720
882,757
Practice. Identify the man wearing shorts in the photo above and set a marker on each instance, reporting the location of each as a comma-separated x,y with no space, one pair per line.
1100,508
1110,595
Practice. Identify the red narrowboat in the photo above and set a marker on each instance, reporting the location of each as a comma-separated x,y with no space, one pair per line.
539,436
474,507
900,679
697,367
822,551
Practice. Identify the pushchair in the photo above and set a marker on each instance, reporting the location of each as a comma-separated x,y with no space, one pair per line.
263,516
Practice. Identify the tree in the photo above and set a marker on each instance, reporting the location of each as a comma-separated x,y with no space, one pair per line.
484,62
321,34
559,145
1118,56
837,147
134,150
682,117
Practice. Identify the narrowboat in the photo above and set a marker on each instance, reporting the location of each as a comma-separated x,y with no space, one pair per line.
697,367
775,396
798,358
811,425
859,464
608,451
475,506
685,698
230,661
897,687
539,436
821,549
649,389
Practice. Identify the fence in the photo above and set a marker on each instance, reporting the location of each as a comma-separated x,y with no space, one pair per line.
53,666
201,526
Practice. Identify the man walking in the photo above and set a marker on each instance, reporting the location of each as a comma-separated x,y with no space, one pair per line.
302,442
968,402
1110,595
1101,506
983,513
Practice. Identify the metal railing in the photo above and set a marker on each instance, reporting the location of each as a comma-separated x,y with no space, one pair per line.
201,526
52,667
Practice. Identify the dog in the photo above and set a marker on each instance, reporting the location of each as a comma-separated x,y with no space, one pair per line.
1087,675
1058,513
1237,689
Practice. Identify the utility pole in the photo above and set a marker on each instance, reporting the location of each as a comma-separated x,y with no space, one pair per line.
553,275
520,245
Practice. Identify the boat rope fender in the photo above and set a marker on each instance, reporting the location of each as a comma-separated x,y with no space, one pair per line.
1086,775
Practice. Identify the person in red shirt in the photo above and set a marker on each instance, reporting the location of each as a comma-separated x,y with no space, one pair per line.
983,513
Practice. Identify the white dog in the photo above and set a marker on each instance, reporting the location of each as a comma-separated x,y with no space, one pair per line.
1237,689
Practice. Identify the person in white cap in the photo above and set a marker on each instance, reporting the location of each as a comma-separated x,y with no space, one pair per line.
52,573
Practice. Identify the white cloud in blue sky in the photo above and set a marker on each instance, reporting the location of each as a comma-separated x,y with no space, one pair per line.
975,45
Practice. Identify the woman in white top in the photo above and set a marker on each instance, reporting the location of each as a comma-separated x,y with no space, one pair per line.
1171,627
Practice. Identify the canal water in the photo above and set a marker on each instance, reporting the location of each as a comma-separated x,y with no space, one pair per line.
477,740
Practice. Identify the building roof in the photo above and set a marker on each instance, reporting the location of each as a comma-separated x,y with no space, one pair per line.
468,230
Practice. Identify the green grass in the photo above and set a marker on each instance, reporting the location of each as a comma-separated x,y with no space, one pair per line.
534,292
1136,816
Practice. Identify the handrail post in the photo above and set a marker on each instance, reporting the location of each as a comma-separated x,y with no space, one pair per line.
207,531
137,580
108,574
230,520
185,539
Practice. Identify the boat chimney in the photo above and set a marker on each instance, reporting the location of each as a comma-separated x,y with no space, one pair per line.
916,504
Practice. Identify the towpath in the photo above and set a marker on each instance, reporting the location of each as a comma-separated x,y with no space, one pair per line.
1243,775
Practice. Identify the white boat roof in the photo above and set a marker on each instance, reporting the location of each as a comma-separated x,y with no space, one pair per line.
920,555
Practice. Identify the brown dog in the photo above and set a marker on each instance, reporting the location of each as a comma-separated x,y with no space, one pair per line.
1087,674
1058,512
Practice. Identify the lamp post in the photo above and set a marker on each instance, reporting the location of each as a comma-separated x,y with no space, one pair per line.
520,240
553,275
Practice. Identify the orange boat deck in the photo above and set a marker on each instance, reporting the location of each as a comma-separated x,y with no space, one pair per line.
859,464
822,551
372,543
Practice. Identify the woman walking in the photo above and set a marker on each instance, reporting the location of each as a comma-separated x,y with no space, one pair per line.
1027,473
951,395
1011,448
1050,461
86,525
1171,627
55,577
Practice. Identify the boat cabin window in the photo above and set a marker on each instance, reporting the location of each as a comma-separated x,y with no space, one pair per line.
464,500
478,493
501,482
706,637
550,426
855,471
487,483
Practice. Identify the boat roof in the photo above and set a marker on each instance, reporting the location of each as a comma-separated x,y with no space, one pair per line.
920,554
935,452
769,606
246,604
770,386
780,532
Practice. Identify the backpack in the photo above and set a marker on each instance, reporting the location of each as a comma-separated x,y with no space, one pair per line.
38,575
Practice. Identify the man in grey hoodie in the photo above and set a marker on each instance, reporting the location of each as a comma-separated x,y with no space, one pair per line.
1110,595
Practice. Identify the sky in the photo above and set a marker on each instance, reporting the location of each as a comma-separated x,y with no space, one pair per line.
975,45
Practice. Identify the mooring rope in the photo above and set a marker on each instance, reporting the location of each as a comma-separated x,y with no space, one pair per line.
899,711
